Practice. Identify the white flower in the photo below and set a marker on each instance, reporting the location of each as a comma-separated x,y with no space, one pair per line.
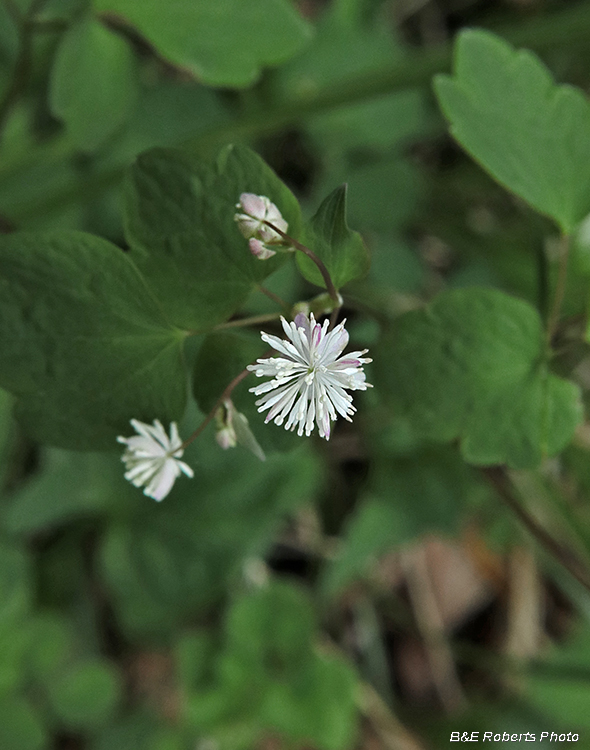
256,209
151,458
309,381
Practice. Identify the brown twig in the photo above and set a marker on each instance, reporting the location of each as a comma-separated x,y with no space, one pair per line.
498,478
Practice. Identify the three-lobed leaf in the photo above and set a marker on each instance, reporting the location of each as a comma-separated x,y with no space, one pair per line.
530,134
472,366
85,345
342,250
225,43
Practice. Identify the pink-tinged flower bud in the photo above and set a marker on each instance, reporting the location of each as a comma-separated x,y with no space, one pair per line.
260,250
226,437
255,211
225,434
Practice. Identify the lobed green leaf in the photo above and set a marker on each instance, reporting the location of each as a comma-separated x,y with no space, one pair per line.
472,366
225,43
530,134
85,345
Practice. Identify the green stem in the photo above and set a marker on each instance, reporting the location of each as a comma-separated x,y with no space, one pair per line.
560,287
332,291
251,321
275,298
224,396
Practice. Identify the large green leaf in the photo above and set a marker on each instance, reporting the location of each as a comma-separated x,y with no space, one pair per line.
342,251
93,82
84,344
472,366
180,224
530,134
224,43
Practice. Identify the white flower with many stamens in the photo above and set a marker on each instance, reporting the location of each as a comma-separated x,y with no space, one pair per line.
309,381
152,458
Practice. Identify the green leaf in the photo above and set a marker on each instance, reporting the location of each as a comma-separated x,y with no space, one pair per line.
343,251
272,626
225,43
528,133
93,85
51,646
84,344
472,366
180,225
20,726
9,43
86,695
272,676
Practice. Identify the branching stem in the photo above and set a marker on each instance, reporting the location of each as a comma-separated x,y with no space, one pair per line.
224,396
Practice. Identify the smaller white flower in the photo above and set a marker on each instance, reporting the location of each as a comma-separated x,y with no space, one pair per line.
152,458
254,211
310,380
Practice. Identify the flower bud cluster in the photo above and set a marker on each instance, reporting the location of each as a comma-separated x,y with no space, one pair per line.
255,212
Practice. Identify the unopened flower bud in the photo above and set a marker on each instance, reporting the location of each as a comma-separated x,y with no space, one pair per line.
260,250
255,210
225,435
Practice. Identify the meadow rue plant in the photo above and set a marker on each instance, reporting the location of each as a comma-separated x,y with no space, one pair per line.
309,381
480,390
152,458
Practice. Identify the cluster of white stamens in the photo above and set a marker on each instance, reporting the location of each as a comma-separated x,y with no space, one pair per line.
309,381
